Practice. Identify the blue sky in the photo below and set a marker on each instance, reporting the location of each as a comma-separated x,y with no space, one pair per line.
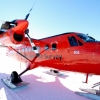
52,17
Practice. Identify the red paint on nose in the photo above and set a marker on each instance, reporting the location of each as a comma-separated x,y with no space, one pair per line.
22,25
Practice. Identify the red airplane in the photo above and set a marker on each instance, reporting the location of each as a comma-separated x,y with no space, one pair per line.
70,51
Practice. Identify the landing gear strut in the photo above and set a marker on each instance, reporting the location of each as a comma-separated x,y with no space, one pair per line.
15,78
86,81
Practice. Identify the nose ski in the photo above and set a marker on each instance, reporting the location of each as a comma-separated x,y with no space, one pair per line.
14,81
11,85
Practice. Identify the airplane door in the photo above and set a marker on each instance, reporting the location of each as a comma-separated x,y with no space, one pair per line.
92,53
76,57
93,63
98,49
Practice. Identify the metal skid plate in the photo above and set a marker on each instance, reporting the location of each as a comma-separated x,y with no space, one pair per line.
8,83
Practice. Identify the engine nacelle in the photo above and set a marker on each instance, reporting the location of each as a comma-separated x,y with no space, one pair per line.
16,38
11,36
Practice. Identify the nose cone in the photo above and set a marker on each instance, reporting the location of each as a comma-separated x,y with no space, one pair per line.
22,25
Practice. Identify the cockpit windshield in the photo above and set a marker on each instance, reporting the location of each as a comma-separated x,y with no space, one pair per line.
86,38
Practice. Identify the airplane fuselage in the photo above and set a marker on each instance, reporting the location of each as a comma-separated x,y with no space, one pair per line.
66,51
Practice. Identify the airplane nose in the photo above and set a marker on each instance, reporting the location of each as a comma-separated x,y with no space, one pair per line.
22,25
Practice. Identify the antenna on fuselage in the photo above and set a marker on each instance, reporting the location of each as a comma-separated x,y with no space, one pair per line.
29,12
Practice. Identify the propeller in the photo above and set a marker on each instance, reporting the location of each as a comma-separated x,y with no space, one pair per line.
34,48
13,22
29,12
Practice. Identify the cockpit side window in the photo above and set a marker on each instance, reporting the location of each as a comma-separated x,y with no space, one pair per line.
72,41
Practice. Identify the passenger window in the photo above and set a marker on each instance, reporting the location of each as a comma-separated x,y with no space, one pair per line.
54,46
46,47
72,40
80,43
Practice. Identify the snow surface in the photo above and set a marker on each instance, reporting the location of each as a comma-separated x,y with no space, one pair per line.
43,86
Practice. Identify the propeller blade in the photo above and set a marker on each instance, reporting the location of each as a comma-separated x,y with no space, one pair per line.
34,48
29,12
